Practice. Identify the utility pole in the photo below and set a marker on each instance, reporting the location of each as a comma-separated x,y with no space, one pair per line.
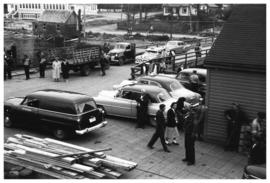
121,11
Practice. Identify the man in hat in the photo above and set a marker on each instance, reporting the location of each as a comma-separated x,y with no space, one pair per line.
235,118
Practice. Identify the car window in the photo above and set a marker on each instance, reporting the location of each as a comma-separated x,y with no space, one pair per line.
85,106
130,95
143,82
54,106
175,86
126,94
184,76
154,83
32,102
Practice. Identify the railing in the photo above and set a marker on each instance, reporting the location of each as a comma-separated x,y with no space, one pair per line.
173,63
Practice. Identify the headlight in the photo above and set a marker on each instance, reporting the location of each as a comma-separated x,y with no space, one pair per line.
116,55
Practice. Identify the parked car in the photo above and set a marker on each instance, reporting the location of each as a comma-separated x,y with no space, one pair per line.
254,172
122,102
150,53
63,113
184,75
177,46
173,87
122,53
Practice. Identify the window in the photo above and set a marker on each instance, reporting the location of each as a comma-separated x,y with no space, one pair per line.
26,5
50,6
56,6
85,107
44,26
184,10
20,6
131,95
166,10
57,27
39,6
31,102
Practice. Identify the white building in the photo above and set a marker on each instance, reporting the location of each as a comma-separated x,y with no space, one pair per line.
33,10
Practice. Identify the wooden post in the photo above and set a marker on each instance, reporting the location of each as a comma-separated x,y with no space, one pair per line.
185,61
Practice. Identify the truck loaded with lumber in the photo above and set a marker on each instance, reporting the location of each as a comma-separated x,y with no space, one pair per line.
82,57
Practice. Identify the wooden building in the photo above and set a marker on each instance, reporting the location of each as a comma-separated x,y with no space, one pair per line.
52,24
237,69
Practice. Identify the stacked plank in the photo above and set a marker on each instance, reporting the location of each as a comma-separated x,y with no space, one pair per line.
58,159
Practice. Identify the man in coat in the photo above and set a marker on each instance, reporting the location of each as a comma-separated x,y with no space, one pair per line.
26,64
160,129
189,137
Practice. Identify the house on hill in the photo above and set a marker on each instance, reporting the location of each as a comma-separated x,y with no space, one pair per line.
52,24
236,67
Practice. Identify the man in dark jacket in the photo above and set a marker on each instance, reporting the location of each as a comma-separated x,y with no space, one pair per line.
189,137
160,129
26,64
235,117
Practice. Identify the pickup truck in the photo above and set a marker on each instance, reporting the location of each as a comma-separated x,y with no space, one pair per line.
80,58
63,113
122,53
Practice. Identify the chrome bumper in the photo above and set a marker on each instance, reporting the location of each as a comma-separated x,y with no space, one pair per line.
86,130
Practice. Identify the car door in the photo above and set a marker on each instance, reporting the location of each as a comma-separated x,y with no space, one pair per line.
27,112
121,105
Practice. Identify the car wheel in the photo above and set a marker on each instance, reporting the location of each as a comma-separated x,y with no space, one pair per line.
60,133
121,61
7,121
152,121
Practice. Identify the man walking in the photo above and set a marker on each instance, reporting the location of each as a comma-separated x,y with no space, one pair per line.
160,129
189,138
26,64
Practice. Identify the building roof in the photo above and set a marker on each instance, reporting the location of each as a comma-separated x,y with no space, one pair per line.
55,16
241,44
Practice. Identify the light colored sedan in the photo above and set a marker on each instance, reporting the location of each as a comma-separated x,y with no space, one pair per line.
122,102
177,46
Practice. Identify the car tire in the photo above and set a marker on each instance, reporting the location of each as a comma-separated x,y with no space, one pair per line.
60,133
85,70
121,61
8,123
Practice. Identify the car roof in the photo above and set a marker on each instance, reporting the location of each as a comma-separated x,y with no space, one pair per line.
146,88
60,95
172,41
200,71
158,78
124,43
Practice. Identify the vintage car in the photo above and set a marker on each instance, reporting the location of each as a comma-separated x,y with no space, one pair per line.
122,102
177,46
63,113
151,53
174,88
122,53
255,172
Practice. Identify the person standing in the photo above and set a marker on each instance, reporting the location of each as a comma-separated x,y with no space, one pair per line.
65,69
103,61
9,62
160,129
142,110
257,126
199,119
181,109
189,138
26,64
42,65
56,65
235,117
197,50
194,81
171,127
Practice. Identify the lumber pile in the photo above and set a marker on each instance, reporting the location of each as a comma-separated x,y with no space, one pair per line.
58,159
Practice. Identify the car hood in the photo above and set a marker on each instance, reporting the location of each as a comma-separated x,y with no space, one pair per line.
117,51
14,101
124,83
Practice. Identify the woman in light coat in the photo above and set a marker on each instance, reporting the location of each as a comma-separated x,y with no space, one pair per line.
56,65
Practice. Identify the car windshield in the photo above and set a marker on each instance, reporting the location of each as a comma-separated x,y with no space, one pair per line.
120,46
163,96
175,86
151,51
171,43
85,106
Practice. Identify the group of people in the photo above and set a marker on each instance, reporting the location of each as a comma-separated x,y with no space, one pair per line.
235,119
8,65
59,66
180,117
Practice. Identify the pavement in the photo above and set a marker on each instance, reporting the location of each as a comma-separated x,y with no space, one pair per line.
128,142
